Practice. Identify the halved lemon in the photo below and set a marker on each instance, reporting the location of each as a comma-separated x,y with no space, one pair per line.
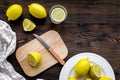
34,58
28,25
95,71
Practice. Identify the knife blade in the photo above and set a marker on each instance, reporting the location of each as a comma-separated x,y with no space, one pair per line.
59,59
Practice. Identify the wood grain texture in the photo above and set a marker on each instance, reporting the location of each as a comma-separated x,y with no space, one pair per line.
91,26
53,39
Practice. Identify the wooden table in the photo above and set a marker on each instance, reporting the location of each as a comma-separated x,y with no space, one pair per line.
91,26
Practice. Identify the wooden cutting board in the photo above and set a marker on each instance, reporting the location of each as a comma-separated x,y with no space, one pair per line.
54,40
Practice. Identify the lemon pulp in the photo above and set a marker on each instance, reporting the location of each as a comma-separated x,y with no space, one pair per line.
58,14
28,25
95,71
34,58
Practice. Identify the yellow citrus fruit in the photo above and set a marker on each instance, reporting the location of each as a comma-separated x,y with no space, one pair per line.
28,25
88,79
104,78
95,71
37,10
72,78
82,67
58,14
34,58
14,12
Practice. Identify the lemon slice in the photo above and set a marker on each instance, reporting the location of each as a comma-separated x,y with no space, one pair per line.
28,25
58,14
105,78
95,71
34,58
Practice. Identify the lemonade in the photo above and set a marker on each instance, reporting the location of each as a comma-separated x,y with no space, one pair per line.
58,14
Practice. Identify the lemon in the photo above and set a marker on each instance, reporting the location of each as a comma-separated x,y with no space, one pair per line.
104,78
82,67
14,12
34,58
88,79
28,25
72,78
37,10
95,71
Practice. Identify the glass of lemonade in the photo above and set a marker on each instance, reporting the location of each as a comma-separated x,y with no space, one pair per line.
58,14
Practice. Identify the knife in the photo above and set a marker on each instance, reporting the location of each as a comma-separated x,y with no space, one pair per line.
60,60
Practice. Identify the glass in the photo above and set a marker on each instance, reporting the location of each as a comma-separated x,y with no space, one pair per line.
57,14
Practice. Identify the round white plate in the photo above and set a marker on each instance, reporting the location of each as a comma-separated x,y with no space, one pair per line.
67,69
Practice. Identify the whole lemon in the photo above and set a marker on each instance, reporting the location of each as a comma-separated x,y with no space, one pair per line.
82,67
14,12
37,10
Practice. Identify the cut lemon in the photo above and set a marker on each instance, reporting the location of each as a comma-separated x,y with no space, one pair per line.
28,25
34,58
105,78
95,71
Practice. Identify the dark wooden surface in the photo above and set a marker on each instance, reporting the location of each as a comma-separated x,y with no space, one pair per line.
91,26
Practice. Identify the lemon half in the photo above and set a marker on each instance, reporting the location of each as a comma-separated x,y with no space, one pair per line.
37,10
14,12
34,58
95,71
28,25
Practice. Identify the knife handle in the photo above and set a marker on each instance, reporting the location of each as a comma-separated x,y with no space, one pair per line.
57,56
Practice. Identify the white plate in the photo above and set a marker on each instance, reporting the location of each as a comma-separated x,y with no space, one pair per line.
67,69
